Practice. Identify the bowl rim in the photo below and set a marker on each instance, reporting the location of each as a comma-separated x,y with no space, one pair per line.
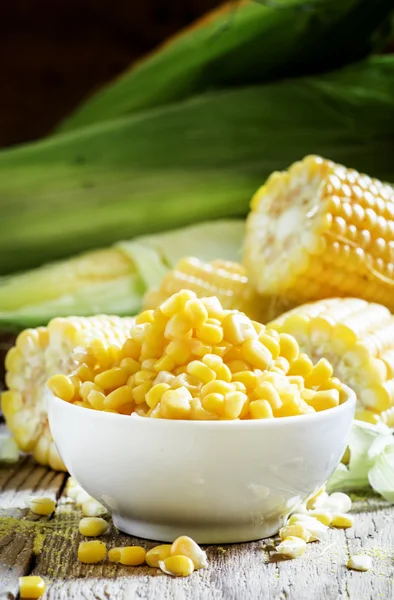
350,403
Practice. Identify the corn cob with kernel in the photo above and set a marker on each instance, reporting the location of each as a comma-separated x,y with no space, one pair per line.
65,345
224,279
191,359
357,337
320,230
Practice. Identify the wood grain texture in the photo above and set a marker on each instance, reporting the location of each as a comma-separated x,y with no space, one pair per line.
48,547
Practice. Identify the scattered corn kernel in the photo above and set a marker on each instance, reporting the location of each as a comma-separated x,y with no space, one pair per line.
131,556
93,526
92,508
294,530
179,566
338,502
292,547
318,499
185,546
342,520
359,562
322,515
157,554
31,586
91,552
41,506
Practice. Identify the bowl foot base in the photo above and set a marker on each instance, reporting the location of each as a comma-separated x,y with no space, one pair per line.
202,534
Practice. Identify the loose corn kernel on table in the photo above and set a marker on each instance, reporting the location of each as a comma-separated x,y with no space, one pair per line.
30,544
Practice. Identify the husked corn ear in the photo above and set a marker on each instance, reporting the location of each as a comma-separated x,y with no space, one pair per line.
330,233
222,365
226,280
357,337
66,346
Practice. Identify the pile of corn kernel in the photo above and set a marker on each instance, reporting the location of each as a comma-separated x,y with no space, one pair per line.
190,359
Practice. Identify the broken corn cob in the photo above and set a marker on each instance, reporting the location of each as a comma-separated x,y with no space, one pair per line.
226,280
191,359
357,337
330,233
61,347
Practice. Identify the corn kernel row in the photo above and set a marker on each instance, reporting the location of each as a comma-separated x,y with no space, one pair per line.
191,359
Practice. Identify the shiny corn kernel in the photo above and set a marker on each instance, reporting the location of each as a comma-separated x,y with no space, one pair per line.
148,365
297,380
248,378
31,586
196,312
325,400
292,547
41,506
239,387
119,397
216,387
289,348
112,378
165,363
178,566
319,374
84,373
338,502
198,348
93,526
213,306
92,508
131,349
175,404
266,391
209,333
271,344
260,409
198,369
238,366
96,400
157,554
281,364
177,327
256,354
145,317
213,403
199,413
86,388
233,404
342,520
131,556
140,391
62,387
296,529
176,302
359,562
316,529
143,376
185,546
318,499
91,552
301,366
238,328
322,515
179,350
155,394
367,416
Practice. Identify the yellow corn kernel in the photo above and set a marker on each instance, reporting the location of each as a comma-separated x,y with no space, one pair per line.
296,530
165,363
179,566
322,515
301,366
238,366
213,403
178,326
217,387
266,391
238,328
281,364
131,556
317,499
319,374
201,371
93,526
196,312
96,400
140,391
292,547
297,380
130,365
179,350
145,317
84,373
213,306
175,404
143,376
233,404
260,409
239,387
112,378
324,400
119,397
155,394
92,508
212,361
289,348
198,413
221,349
248,378
41,506
367,416
91,552
86,388
127,409
62,387
271,344
185,546
31,586
131,349
157,554
256,354
342,520
210,333
359,562
290,404
338,502
177,302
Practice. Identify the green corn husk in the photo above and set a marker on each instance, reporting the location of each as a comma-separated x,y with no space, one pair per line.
197,160
112,280
243,43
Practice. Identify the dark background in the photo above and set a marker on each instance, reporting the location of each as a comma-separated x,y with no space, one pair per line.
53,53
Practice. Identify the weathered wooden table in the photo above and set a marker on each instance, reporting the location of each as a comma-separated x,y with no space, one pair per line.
47,547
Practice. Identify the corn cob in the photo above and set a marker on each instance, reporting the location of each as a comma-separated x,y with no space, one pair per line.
330,233
224,279
357,338
62,347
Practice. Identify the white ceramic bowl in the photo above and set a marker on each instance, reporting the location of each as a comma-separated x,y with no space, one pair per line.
216,481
